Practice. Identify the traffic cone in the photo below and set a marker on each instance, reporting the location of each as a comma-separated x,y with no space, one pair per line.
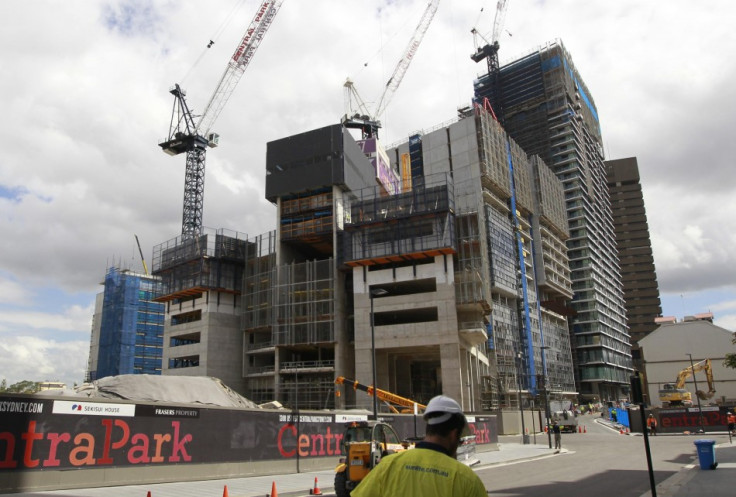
580,429
148,494
585,429
224,492
315,490
274,493
545,429
621,431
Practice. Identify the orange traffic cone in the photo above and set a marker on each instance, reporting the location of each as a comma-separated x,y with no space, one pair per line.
148,494
585,429
621,431
545,429
580,429
315,490
224,492
274,493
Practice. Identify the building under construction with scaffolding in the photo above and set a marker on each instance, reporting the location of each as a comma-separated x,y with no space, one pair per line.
201,278
549,112
462,233
440,242
127,330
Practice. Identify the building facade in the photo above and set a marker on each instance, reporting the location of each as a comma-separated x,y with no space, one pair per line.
549,112
200,288
675,346
641,291
127,331
429,239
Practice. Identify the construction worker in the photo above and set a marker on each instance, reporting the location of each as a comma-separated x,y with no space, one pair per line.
731,418
558,435
652,424
431,469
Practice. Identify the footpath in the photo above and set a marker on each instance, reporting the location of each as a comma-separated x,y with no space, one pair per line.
691,481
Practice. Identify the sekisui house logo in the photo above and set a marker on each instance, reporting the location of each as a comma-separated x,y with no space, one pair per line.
93,408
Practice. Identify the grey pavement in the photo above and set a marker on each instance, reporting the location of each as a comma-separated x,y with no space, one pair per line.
693,481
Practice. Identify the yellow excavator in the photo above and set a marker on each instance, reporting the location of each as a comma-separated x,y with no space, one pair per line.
675,394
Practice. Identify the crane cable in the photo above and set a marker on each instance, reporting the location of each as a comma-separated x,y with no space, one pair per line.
216,36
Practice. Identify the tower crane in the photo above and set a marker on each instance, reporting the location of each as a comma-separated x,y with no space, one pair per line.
489,52
191,136
365,120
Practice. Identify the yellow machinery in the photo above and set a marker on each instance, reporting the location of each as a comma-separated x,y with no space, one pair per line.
388,398
675,394
364,444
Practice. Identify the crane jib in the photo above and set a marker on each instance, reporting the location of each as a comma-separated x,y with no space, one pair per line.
246,39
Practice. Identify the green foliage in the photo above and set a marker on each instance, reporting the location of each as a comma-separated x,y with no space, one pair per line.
730,361
25,386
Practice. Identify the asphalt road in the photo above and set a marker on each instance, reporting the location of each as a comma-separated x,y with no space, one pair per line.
600,462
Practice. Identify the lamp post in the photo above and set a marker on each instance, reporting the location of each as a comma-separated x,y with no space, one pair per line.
546,394
700,411
524,438
375,292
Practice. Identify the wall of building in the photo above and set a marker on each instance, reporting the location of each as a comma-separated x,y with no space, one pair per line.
665,354
636,259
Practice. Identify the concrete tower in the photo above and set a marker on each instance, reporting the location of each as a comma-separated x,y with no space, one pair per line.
641,291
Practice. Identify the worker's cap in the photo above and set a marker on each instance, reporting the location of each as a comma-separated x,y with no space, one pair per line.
441,409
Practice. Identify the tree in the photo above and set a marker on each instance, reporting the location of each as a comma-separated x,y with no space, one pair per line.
730,361
25,386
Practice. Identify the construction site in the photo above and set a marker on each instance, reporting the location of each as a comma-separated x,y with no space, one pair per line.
436,265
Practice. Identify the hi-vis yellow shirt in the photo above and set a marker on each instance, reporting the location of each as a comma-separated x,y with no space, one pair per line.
420,472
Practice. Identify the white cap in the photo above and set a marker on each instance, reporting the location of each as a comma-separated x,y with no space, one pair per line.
444,405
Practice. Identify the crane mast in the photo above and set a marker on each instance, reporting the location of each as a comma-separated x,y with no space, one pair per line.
193,138
367,121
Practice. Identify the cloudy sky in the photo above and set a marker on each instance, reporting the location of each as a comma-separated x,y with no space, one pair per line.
84,92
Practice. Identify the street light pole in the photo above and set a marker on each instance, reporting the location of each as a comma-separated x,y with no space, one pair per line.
700,411
543,348
524,439
376,292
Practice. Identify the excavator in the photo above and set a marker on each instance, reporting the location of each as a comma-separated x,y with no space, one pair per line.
675,394
366,442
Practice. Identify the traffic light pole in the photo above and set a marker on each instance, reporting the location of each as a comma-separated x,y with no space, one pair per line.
638,398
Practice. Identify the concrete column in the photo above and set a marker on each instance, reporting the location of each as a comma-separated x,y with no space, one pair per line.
451,372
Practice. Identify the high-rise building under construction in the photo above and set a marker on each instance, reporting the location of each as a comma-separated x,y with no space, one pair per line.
548,110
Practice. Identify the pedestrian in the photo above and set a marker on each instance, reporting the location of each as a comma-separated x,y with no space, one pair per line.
731,418
652,424
431,469
558,435
613,415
